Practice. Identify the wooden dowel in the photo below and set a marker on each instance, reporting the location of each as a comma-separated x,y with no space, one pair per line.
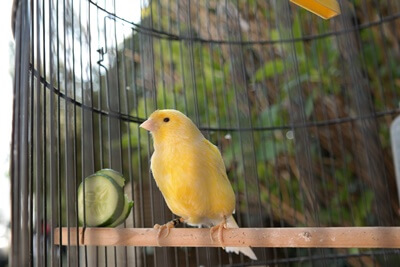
310,237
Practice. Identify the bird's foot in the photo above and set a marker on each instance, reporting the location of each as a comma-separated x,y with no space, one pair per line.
220,227
168,226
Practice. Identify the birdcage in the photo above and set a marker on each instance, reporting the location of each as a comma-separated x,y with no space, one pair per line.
300,108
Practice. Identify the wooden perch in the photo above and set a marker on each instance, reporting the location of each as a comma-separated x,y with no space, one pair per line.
310,237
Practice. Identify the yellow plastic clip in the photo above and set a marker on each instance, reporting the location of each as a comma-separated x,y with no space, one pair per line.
324,8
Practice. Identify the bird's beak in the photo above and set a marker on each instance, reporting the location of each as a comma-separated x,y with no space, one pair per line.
148,125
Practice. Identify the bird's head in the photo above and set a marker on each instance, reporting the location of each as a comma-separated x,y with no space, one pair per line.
170,125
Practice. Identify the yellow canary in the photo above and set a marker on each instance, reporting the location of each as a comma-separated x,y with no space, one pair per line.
191,174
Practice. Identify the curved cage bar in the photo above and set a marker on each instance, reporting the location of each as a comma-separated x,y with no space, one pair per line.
300,108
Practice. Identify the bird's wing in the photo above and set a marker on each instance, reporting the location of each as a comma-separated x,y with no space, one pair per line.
216,159
221,191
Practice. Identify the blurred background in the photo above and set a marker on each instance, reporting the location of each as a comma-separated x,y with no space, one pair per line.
300,108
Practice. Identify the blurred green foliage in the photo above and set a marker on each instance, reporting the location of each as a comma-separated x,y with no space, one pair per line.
201,79
279,92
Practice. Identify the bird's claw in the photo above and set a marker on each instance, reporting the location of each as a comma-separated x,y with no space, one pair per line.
167,226
220,227
160,229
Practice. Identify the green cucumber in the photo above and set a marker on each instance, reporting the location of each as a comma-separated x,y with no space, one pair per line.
104,200
125,212
118,177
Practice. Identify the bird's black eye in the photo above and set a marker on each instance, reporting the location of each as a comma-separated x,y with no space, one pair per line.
166,119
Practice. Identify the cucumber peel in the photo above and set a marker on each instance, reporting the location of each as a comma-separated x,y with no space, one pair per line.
116,176
125,212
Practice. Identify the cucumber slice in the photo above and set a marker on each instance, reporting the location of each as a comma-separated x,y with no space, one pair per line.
125,212
104,200
116,176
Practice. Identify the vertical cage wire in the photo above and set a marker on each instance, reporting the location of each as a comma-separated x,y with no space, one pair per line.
299,107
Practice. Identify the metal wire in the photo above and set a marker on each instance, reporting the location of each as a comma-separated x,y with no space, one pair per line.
129,118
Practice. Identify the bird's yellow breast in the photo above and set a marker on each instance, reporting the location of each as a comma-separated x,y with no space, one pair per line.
193,181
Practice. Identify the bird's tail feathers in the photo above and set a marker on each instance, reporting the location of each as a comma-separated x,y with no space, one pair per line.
231,223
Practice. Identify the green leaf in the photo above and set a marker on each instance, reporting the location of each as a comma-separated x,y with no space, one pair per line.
269,69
